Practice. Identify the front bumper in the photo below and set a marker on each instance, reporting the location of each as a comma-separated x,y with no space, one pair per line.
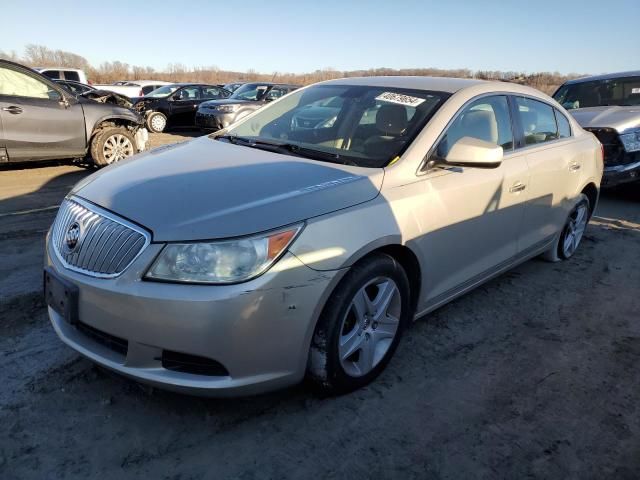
619,174
213,120
259,331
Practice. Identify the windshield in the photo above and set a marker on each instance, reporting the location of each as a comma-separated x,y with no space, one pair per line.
250,91
163,91
599,93
361,125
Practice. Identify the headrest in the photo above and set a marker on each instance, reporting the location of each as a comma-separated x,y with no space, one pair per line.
481,124
392,119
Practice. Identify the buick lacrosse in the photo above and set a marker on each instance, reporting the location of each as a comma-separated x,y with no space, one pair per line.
303,240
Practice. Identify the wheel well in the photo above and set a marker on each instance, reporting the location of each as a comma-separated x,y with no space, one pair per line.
112,122
405,257
591,191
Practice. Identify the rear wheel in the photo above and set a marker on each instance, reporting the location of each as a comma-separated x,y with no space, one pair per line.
361,325
571,236
157,122
111,145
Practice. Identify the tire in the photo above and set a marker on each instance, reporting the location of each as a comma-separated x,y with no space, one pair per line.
572,233
348,350
156,122
111,145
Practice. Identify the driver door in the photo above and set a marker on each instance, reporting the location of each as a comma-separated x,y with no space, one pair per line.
473,215
184,105
37,121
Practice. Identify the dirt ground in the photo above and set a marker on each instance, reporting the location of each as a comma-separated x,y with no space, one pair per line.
534,375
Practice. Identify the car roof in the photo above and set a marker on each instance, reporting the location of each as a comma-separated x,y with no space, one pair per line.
62,69
606,76
193,84
270,84
438,84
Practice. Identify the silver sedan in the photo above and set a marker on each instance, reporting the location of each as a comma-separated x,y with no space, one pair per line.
304,239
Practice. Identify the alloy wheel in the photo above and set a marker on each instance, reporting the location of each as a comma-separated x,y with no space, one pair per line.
369,326
117,147
575,229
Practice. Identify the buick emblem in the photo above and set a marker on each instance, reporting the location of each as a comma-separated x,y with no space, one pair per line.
72,237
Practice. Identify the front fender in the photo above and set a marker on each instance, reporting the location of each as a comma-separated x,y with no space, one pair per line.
338,240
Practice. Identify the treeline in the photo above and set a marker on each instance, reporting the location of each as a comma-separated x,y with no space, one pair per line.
108,72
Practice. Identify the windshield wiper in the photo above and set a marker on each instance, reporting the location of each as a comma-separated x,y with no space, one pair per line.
288,148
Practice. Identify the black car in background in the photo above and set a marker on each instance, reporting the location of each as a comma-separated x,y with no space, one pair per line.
176,105
217,114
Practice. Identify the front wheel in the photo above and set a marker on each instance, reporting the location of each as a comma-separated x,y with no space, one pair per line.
571,236
111,145
361,325
157,122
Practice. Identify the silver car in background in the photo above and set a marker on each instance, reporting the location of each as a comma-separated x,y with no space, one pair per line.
609,107
246,260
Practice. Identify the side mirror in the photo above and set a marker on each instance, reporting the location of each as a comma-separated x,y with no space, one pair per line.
175,97
473,152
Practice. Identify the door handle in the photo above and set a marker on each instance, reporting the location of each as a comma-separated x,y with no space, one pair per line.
517,187
12,109
574,167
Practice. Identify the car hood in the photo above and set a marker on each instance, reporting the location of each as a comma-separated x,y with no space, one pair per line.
620,118
226,101
209,189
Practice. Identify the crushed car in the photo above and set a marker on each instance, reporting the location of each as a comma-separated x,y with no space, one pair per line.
609,107
42,120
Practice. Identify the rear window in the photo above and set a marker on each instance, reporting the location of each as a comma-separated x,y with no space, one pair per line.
538,121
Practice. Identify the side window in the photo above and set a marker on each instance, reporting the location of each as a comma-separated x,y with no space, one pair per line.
564,127
538,121
275,93
189,93
486,119
210,92
17,84
71,76
52,74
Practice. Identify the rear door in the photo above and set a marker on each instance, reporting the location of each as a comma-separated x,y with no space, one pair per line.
184,105
554,164
474,214
37,121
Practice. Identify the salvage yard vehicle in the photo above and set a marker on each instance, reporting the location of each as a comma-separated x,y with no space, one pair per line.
137,88
176,104
245,260
42,120
609,107
63,73
217,114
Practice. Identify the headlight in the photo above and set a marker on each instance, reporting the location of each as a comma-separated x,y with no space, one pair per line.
227,108
227,261
631,141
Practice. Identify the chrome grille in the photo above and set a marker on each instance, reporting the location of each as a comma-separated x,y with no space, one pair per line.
106,245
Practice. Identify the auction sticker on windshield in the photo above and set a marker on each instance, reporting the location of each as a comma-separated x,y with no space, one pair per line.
400,99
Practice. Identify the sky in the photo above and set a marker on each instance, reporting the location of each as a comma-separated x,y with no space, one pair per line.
568,36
